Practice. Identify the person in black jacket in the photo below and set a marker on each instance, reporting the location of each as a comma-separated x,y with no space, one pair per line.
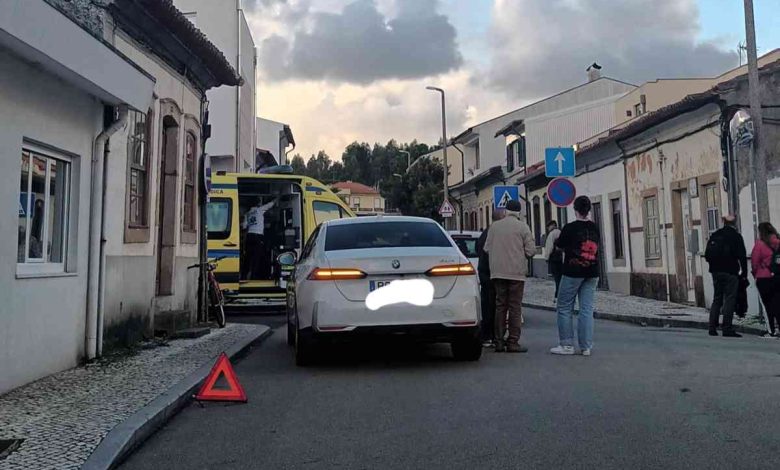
486,292
727,258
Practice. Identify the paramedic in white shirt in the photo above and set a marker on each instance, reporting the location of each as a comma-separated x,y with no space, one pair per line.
257,264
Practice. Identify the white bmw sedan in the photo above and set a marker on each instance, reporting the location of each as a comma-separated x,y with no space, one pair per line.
382,276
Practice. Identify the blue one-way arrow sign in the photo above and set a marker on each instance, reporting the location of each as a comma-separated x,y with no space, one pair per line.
559,161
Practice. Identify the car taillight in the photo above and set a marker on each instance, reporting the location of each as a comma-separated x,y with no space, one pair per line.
451,270
324,274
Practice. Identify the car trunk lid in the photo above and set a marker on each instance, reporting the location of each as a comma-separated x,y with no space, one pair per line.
385,265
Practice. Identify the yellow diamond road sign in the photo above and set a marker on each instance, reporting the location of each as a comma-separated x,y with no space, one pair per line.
446,209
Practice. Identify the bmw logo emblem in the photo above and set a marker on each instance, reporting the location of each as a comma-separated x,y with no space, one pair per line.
396,264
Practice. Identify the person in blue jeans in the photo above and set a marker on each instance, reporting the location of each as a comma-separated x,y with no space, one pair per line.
579,242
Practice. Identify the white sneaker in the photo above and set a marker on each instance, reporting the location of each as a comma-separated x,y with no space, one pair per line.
563,350
586,352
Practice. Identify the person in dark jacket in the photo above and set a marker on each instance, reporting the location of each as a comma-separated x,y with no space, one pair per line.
553,255
580,242
727,258
486,291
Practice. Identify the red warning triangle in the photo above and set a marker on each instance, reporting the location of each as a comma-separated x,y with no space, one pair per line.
234,392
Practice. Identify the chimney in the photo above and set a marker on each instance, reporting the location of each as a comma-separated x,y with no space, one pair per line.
594,72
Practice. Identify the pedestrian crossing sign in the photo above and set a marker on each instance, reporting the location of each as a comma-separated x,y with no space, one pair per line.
503,194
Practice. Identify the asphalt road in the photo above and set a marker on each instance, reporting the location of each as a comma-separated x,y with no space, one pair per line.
647,398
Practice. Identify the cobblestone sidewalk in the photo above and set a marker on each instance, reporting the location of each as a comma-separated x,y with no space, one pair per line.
62,418
611,305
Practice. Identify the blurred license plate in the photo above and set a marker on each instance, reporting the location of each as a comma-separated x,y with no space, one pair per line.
374,285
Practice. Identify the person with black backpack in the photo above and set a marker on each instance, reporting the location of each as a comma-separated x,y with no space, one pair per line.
765,264
554,256
727,258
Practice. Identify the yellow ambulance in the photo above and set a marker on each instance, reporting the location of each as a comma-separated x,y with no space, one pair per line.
300,204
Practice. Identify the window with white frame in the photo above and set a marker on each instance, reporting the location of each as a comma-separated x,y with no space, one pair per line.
711,206
356,202
547,210
190,166
138,170
537,219
44,203
520,151
510,157
652,232
378,203
617,228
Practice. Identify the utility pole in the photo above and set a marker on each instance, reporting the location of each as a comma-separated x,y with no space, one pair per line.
754,90
444,139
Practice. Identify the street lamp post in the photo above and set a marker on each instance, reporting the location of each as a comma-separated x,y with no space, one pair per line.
408,158
444,138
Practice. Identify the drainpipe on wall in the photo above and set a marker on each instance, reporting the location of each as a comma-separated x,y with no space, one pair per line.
94,333
661,160
239,160
205,133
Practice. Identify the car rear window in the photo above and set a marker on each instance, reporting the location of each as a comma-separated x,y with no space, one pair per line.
384,235
467,245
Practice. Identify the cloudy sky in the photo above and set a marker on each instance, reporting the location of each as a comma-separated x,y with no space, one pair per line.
344,70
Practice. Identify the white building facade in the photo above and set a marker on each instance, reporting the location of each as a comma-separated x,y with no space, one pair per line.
52,114
232,110
659,187
510,150
276,139
105,135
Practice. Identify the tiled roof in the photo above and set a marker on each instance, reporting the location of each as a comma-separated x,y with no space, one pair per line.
167,15
355,188
689,103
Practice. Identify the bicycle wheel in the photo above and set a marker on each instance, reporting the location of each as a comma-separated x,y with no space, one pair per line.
219,313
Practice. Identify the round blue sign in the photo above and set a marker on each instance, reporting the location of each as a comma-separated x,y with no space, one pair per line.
561,192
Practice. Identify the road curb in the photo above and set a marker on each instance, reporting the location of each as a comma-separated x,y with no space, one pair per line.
652,321
132,432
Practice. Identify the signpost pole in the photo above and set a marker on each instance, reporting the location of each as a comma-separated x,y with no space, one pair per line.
443,140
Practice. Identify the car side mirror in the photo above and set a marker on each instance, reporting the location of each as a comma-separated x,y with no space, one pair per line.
288,258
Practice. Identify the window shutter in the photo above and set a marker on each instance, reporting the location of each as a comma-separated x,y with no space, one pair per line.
521,152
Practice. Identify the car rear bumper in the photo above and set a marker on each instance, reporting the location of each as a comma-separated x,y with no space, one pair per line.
463,312
421,333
